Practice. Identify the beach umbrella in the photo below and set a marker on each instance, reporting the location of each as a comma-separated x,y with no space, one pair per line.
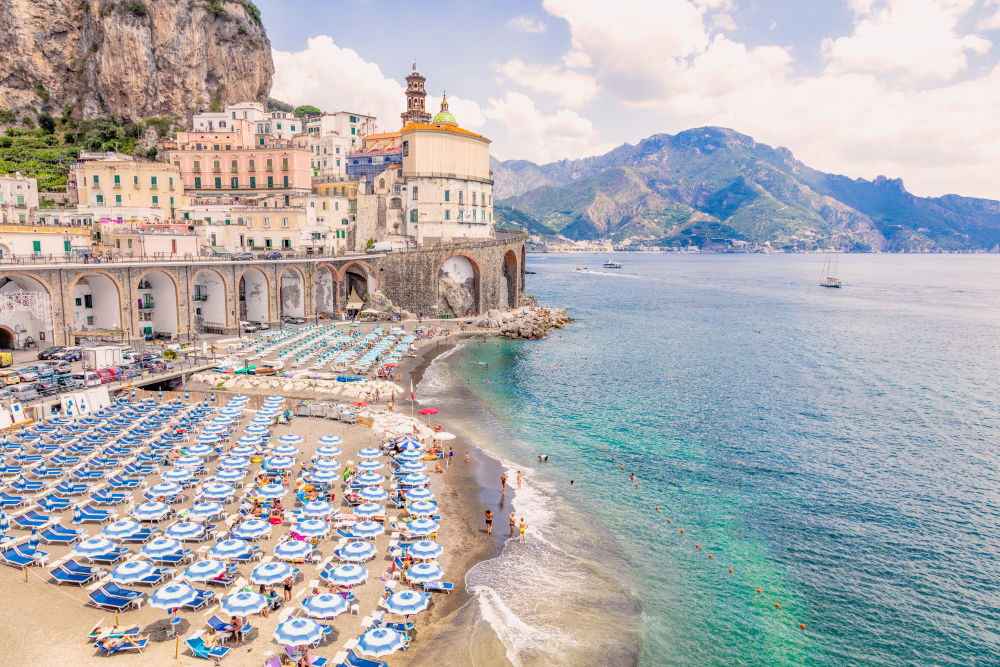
411,466
293,550
327,452
270,573
270,491
414,479
369,465
185,530
422,508
330,440
95,546
312,528
248,440
369,510
243,603
369,453
132,571
429,411
153,511
243,450
367,529
190,461
178,476
279,462
285,450
326,464
159,394
357,552
349,574
225,549
204,570
234,462
380,642
370,479
205,510
121,529
373,493
317,508
424,572
167,489
161,546
425,550
201,450
252,529
217,491
324,476
227,475
411,455
444,435
419,493
173,595
422,527
290,439
325,605
255,428
407,602
298,632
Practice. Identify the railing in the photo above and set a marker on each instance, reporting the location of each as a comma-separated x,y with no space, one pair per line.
199,297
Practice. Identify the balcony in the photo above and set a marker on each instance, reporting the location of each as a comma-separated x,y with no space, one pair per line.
146,305
199,296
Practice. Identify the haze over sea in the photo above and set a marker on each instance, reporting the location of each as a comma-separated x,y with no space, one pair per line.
837,448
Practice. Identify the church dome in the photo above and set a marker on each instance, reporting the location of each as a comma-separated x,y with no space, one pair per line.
444,117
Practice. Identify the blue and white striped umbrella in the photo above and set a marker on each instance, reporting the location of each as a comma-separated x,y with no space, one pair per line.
279,462
290,439
312,528
369,465
369,453
373,493
326,464
215,428
150,511
330,440
206,439
410,456
172,596
248,440
424,572
189,461
285,450
298,632
317,508
419,493
404,440
274,399
243,603
270,573
325,476
252,529
414,479
255,428
234,462
367,529
357,552
217,491
132,571
422,508
164,489
204,570
178,476
161,546
243,450
327,451
227,475
95,546
270,491
412,466
422,527
407,602
379,642
349,574
229,549
425,550
325,605
185,530
370,478
369,510
293,550
261,419
121,529
205,510
201,450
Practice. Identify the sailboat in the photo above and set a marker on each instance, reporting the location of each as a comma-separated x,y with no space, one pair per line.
830,274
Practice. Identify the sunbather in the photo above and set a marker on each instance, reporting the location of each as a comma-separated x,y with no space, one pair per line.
112,643
211,640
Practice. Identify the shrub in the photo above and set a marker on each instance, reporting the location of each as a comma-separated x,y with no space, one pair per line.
135,8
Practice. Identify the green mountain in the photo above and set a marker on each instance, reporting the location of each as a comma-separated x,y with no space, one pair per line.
712,187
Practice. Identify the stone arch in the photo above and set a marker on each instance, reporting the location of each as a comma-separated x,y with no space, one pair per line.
105,308
459,284
253,290
17,312
211,304
324,290
511,278
7,337
157,306
292,292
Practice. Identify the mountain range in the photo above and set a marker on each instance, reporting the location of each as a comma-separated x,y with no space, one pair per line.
712,187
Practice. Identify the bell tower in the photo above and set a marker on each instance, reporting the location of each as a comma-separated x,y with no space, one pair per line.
415,99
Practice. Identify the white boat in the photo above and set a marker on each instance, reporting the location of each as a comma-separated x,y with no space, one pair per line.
580,269
830,274
610,264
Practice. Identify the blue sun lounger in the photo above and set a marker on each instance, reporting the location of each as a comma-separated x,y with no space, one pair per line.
112,557
114,589
23,485
172,559
138,646
352,659
102,600
199,650
119,482
8,501
78,575
54,503
67,488
57,534
21,556
438,587
105,497
143,536
30,519
89,514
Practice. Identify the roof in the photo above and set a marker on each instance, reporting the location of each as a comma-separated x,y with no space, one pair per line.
410,127
382,135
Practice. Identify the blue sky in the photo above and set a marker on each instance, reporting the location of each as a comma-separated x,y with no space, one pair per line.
905,88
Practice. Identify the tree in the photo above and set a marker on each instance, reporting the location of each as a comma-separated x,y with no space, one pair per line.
306,110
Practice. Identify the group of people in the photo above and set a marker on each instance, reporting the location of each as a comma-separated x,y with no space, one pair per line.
521,527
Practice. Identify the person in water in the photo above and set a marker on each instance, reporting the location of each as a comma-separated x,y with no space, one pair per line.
503,484
489,521
513,524
523,527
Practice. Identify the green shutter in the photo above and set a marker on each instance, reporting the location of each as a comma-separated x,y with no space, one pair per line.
36,246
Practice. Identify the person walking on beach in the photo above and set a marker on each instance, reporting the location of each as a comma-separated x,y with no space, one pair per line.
519,479
288,586
513,523
523,527
466,456
489,521
503,484
451,456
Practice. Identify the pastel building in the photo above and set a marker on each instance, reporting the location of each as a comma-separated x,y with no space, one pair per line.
18,197
121,187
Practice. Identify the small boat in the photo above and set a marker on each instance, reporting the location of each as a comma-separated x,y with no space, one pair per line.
830,271
580,269
610,264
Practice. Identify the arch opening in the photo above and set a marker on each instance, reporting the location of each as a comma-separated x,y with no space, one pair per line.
157,305
458,287
324,301
359,283
97,304
292,296
508,296
253,296
208,298
26,310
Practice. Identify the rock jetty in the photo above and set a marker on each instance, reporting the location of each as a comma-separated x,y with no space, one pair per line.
528,323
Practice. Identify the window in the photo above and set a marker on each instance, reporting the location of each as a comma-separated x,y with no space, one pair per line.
197,182
284,181
234,182
135,180
218,182
118,181
461,215
406,148
447,195
413,215
267,222
253,182
291,127
88,301
354,130
250,242
79,301
156,200
170,182
267,165
152,181
286,243
353,119
270,181
118,200
284,222
234,165
36,246
473,198
338,152
97,181
279,126
267,243
216,166
473,214
415,194
284,164
252,167
447,214
461,196
197,166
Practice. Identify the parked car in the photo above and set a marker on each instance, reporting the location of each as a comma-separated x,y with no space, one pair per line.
129,370
273,255
24,392
261,326
27,374
71,354
242,256
6,359
58,365
289,319
6,393
52,352
89,378
10,377
149,356
70,382
47,387
248,327
130,356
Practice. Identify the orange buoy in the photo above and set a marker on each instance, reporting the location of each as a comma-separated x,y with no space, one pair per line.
682,530
709,555
758,590
776,605
668,520
657,508
730,570
697,546
802,626
612,458
623,467
637,485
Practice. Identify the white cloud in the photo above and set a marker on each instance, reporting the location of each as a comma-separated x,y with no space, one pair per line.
533,135
336,79
527,24
572,88
991,20
468,113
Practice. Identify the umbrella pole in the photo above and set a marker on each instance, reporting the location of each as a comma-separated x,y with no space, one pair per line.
177,647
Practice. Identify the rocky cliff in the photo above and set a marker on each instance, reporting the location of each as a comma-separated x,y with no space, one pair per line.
133,58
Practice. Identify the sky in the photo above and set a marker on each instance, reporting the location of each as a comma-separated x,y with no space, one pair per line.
903,88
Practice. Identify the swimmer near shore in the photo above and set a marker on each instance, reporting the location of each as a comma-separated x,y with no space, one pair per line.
543,458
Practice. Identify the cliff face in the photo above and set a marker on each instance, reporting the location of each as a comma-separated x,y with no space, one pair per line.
133,58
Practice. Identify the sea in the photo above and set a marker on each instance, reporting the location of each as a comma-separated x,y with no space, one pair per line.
816,471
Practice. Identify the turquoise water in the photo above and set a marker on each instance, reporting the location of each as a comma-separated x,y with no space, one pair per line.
836,448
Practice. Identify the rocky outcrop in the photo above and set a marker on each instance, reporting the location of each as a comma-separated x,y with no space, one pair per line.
530,323
456,299
132,58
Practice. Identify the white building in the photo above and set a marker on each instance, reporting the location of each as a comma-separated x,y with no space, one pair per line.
18,198
349,124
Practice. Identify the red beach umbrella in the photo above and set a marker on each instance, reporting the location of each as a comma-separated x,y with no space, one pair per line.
361,404
429,411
